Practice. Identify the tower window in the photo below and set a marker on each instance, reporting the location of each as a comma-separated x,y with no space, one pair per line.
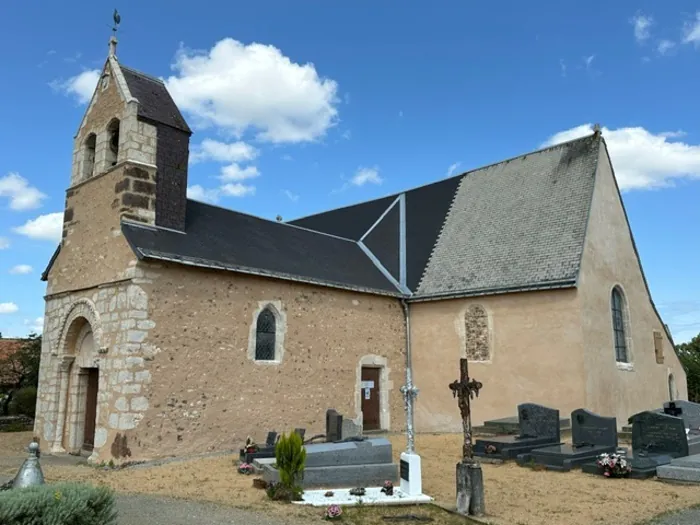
620,322
89,156
113,143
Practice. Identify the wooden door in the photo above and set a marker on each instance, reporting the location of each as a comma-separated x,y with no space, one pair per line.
91,408
370,398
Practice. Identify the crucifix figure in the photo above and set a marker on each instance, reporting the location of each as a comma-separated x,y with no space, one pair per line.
464,390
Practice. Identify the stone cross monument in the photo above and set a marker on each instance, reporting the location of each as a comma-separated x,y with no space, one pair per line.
470,481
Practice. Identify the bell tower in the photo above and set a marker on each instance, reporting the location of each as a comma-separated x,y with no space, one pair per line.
133,126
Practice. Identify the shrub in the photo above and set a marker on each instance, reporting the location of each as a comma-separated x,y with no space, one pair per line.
290,456
59,504
23,402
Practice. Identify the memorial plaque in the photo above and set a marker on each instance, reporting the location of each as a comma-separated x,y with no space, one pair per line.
404,470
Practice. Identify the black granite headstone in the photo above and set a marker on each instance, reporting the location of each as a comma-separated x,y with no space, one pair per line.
271,439
654,433
334,425
537,421
588,428
686,410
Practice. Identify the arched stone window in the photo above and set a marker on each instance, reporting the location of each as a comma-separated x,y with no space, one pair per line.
620,322
112,143
265,331
89,156
476,333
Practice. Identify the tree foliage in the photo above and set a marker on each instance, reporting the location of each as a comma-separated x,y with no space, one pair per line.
290,457
689,354
22,369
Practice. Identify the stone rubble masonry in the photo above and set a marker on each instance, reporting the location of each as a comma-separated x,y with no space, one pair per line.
138,140
121,315
136,194
93,249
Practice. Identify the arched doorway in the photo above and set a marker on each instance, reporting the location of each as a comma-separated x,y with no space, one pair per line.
78,407
671,387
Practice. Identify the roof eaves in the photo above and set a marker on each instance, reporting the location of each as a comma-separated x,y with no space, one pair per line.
457,294
215,265
45,273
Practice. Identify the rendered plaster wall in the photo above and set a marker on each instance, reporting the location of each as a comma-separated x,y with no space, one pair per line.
206,393
536,355
609,259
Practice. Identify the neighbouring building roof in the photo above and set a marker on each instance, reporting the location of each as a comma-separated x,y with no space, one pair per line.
155,102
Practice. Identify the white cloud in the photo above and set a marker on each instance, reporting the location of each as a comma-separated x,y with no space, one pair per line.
291,196
453,168
22,195
665,46
691,31
36,325
233,172
47,227
8,308
223,152
562,66
642,25
4,243
401,113
239,87
81,86
347,134
199,193
21,269
588,61
642,159
237,190
366,175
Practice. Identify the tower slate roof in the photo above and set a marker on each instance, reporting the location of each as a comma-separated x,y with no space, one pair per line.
155,102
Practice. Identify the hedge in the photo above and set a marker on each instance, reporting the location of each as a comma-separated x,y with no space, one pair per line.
59,504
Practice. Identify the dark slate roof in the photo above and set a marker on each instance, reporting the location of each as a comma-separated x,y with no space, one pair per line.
516,225
155,102
225,239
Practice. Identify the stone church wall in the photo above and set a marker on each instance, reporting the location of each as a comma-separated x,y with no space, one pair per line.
609,260
524,347
180,377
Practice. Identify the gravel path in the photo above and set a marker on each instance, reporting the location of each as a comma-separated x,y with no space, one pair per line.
137,510
683,517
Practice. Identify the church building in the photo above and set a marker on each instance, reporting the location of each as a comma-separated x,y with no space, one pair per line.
174,327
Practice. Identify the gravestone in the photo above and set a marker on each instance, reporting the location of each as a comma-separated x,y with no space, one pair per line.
340,465
591,434
657,439
539,427
689,412
334,426
301,432
266,451
681,470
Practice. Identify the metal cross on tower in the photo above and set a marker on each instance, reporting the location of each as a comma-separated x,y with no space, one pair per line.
465,390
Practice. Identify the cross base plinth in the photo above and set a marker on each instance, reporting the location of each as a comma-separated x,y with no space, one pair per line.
470,489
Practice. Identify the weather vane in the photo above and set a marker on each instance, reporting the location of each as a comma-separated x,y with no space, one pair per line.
117,18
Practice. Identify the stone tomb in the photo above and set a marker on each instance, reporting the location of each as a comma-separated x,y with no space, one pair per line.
657,439
348,464
539,427
681,470
591,435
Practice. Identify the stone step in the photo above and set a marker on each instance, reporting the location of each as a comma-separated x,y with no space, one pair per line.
676,473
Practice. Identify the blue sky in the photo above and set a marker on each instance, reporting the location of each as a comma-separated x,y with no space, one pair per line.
321,104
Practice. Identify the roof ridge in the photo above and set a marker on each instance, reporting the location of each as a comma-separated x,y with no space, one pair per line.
141,73
486,166
271,221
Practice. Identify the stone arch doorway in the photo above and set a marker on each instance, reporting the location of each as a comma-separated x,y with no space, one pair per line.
79,384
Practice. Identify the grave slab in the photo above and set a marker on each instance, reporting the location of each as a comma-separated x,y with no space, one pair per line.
591,434
368,475
373,496
539,427
684,470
